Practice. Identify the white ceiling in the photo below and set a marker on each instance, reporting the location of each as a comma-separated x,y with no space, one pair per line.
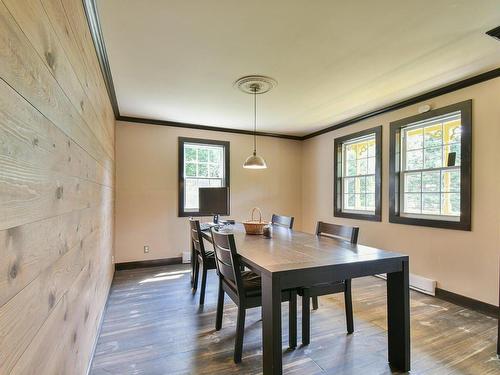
177,60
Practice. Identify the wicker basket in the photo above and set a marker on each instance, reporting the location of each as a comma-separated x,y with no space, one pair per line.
253,226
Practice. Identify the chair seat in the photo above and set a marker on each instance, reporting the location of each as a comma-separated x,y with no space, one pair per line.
324,289
252,283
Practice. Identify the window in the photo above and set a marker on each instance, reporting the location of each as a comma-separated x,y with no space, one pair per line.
357,175
202,163
430,168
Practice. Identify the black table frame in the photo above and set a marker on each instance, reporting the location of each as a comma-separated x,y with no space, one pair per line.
398,303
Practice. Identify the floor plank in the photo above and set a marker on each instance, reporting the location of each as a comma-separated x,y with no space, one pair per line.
153,325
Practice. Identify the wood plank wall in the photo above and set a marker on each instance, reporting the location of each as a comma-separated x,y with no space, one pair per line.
56,188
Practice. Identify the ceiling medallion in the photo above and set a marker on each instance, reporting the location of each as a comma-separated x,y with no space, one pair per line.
255,84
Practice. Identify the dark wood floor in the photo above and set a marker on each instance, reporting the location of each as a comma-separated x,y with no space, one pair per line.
153,325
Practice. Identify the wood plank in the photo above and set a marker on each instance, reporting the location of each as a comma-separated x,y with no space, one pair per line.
81,55
31,194
23,70
32,19
29,249
27,136
24,314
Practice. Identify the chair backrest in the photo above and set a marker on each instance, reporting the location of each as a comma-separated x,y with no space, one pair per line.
284,221
197,238
339,231
226,260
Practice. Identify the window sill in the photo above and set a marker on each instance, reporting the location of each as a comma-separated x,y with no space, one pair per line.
356,216
443,224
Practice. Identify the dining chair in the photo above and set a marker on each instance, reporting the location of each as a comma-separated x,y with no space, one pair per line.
284,221
341,232
245,289
201,257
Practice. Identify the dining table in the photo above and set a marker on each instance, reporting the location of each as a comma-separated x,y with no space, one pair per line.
293,259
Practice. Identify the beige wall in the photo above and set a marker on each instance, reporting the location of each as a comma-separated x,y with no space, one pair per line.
56,188
147,186
461,262
299,183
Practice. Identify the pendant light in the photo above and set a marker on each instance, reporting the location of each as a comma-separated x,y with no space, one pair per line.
255,85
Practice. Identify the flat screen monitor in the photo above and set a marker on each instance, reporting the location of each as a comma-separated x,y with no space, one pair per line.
214,201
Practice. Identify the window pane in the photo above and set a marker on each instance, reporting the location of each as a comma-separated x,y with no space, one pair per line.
215,155
189,153
450,181
349,201
362,166
455,147
349,185
413,182
431,181
191,194
215,183
450,204
362,202
203,154
351,168
370,184
370,202
433,157
361,181
215,170
371,166
452,131
190,170
371,148
414,139
202,170
362,150
414,160
433,136
431,203
412,202
350,152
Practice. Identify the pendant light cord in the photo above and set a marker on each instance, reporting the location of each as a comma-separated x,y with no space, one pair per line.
255,121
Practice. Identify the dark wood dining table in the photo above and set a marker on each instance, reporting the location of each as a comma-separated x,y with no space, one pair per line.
293,259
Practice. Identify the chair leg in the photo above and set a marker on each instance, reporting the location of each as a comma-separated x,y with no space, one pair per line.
203,283
220,308
306,317
240,330
315,302
192,265
292,320
196,274
348,306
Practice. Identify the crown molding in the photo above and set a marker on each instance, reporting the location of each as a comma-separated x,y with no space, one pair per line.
91,12
414,100
146,121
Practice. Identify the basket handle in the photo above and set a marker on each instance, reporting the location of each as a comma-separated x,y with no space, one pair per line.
260,213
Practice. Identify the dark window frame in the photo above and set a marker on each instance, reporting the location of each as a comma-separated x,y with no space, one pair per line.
337,179
201,141
464,223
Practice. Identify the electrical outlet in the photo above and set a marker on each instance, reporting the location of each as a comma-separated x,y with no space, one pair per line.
146,249
112,258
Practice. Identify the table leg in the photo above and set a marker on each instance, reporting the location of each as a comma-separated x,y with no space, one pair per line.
271,325
398,316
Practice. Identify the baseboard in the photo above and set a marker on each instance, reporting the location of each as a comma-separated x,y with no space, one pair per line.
147,263
470,303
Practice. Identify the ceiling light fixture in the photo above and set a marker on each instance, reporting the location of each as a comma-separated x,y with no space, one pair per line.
255,85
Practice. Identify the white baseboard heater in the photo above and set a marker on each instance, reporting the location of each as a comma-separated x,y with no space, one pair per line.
418,283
